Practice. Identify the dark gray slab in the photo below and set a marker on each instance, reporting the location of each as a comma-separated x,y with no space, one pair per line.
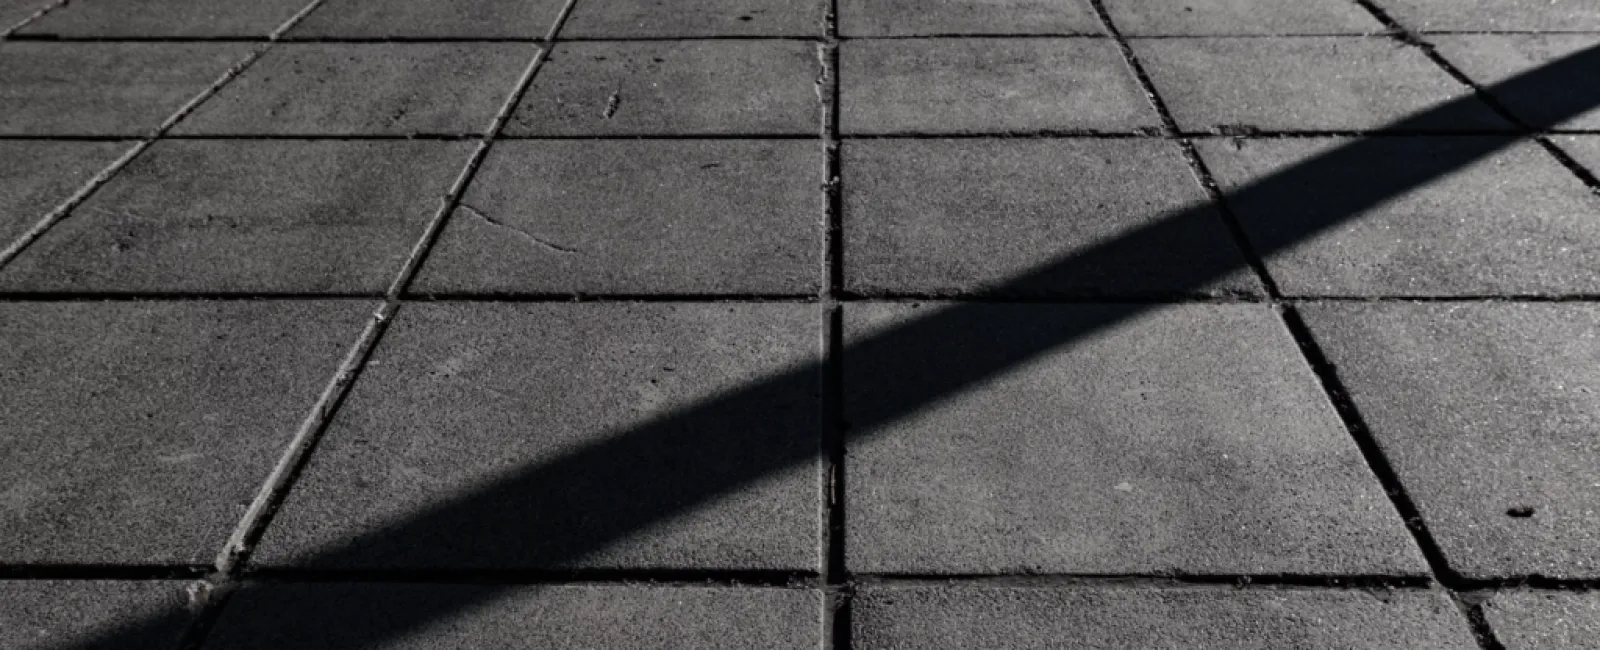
1487,411
137,433
430,19
1190,439
1516,222
492,436
250,216
37,176
14,12
1239,17
1007,618
947,17
674,87
657,19
104,88
697,216
1514,15
1529,620
986,85
969,216
365,89
1322,83
137,615
165,18
1491,59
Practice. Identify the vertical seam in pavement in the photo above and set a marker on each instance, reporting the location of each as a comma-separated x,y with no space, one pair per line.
837,593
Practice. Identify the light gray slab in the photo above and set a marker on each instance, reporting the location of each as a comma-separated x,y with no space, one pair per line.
657,19
165,18
1478,15
868,18
15,12
54,614
1239,17
104,88
429,19
37,176
1529,620
1492,59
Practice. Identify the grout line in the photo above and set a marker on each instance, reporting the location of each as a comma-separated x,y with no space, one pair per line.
103,572
1100,580
517,576
842,299
804,38
1153,134
838,591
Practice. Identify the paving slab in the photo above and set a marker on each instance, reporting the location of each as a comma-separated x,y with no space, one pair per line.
164,18
1528,620
1487,411
988,85
1492,59
1515,223
139,615
247,216
429,19
365,89
37,176
968,216
1317,84
1190,439
503,436
1239,17
15,12
674,88
1585,149
936,618
104,88
868,18
658,19
633,217
137,433
1508,15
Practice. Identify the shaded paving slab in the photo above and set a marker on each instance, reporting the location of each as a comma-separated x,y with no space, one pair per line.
1492,58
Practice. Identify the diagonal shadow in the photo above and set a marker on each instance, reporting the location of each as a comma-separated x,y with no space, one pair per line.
554,513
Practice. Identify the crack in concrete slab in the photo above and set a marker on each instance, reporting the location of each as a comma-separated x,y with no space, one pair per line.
563,250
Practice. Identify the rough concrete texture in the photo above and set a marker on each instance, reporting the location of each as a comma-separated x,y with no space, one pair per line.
1487,411
1509,15
986,85
674,87
1189,439
164,18
858,18
104,88
137,433
1323,83
429,19
970,216
932,618
621,217
1514,223
365,89
658,19
1585,149
529,397
55,614
1491,59
1239,17
37,176
16,12
247,216
1538,620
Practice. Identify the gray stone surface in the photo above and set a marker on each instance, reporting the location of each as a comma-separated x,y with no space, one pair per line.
430,19
1514,223
1188,439
14,12
366,88
137,433
698,216
1318,84
1487,411
1528,620
577,618
674,87
1491,59
1239,17
250,216
139,615
921,18
1511,15
1007,618
970,216
986,85
164,18
1585,149
497,436
658,19
37,176
104,88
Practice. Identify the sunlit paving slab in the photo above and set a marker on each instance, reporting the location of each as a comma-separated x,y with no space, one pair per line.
125,89
1487,15
703,18
1527,620
868,18
1492,58
38,176
379,19
164,18
1240,18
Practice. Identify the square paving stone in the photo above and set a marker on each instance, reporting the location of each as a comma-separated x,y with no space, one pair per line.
137,615
658,18
37,176
945,17
138,432
971,216
1492,59
429,19
1239,17
1515,222
1317,84
982,85
247,216
674,87
426,617
629,217
1007,618
1508,15
1488,412
1530,620
1190,439
165,18
104,88
598,435
365,89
